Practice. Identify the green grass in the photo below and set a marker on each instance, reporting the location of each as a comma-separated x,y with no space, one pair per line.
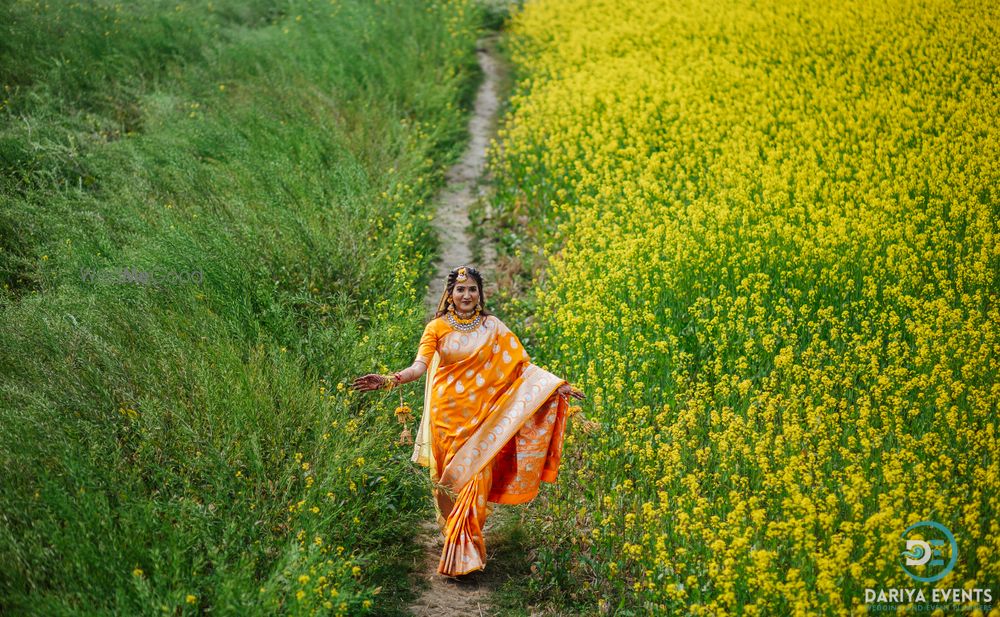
288,153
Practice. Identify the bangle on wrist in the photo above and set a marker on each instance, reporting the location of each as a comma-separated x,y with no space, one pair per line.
393,380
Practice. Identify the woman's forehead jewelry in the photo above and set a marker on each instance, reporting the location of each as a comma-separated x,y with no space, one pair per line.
461,275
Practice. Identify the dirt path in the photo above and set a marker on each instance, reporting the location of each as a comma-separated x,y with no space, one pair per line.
466,181
467,595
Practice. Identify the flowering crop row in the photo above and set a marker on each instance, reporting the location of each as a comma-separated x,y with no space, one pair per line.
771,260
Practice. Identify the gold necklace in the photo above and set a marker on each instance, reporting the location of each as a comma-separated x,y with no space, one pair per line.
466,318
463,324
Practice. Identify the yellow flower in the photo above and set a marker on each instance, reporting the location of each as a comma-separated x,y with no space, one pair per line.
137,572
784,326
191,599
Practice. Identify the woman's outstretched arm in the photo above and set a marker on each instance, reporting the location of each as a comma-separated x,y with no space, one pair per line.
412,372
374,381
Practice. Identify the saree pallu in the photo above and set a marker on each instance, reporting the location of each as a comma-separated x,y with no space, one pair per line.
491,431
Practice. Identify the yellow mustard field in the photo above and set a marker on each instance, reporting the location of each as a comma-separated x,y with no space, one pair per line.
771,262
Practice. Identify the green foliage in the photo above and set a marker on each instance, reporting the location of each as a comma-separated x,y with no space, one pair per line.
184,447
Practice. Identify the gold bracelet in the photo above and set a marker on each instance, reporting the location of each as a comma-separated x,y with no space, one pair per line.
392,380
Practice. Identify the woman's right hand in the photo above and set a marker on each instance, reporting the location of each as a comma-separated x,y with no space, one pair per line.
371,381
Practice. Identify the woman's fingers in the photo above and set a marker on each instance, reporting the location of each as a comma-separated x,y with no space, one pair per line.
567,390
366,382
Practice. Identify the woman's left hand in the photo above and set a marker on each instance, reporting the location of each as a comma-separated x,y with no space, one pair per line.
568,390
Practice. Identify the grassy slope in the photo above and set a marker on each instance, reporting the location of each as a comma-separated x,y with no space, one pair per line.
185,447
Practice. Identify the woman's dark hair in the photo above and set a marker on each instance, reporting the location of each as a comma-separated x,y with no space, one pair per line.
472,272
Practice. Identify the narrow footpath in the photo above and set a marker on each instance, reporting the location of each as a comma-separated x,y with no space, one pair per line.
468,595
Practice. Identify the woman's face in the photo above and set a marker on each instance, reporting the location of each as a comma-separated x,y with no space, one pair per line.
465,295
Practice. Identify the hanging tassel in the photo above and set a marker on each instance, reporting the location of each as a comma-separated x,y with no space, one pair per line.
403,414
587,425
590,426
404,417
405,437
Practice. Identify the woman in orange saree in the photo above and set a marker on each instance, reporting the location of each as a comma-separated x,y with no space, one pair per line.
493,423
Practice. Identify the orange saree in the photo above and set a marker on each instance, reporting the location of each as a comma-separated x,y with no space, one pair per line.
491,431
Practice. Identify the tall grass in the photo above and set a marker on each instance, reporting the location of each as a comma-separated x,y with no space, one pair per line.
190,446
